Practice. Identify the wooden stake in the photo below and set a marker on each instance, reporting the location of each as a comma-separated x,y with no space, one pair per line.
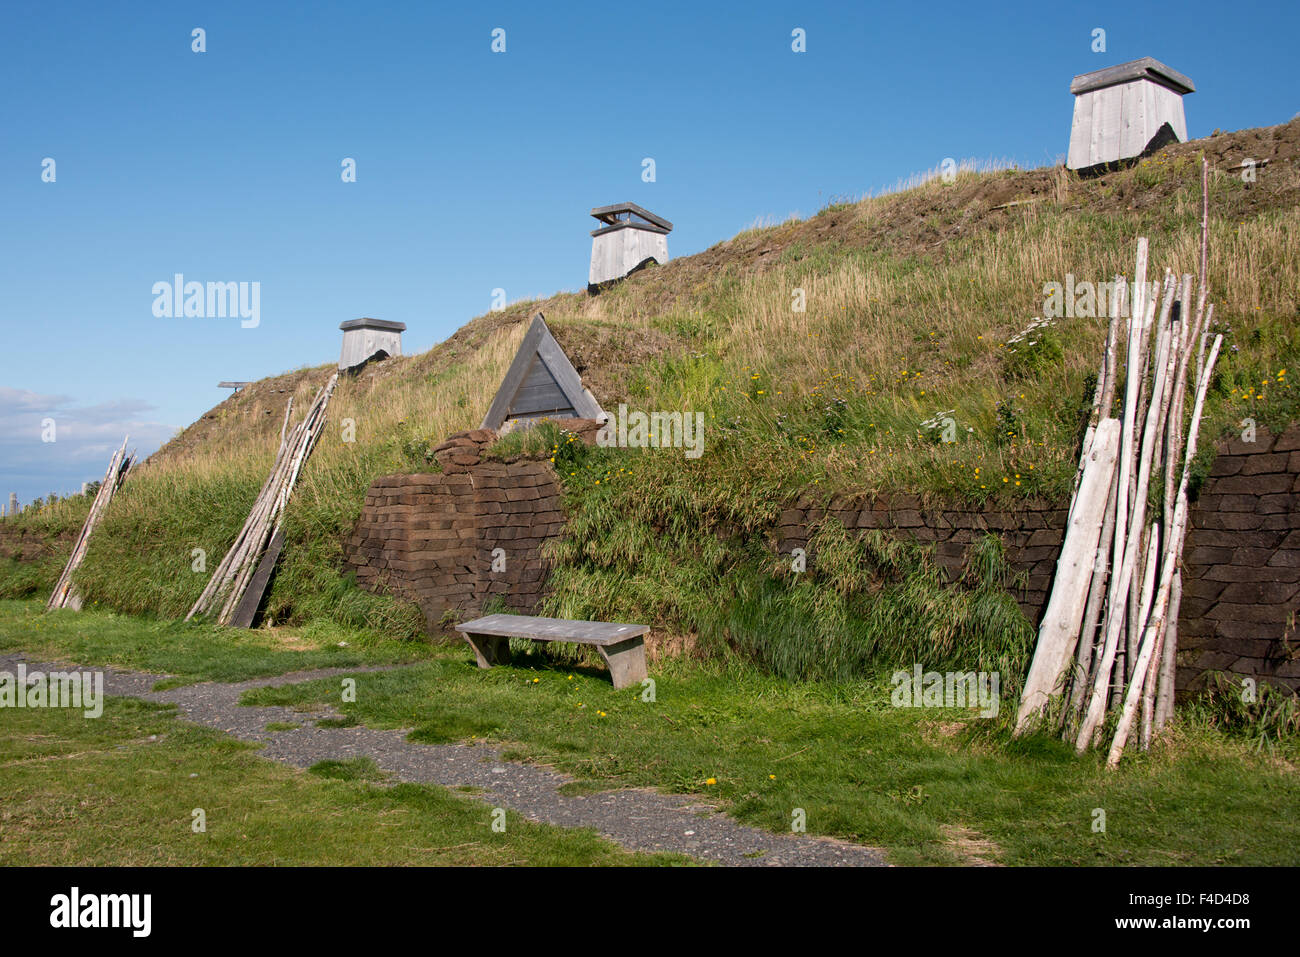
1091,616
64,594
1168,657
1173,547
231,579
1124,557
1064,613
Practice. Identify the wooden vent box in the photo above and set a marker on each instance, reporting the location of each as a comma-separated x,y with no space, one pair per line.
366,339
1126,111
628,239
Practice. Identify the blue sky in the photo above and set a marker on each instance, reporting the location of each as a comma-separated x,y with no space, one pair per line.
475,170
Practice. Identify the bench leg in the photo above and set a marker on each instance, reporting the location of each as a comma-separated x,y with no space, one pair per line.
626,661
490,649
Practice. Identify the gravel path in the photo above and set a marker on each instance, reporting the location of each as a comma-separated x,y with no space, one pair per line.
637,819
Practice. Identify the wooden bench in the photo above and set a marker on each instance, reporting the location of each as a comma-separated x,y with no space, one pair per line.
621,646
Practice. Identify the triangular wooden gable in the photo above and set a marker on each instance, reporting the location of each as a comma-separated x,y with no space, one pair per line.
541,382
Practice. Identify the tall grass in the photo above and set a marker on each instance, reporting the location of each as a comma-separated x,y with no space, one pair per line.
961,170
57,523
698,558
876,603
1267,716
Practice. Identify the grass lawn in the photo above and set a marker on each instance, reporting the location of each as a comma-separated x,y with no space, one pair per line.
191,651
121,790
929,786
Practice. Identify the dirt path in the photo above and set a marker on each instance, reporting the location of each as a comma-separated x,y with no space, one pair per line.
637,819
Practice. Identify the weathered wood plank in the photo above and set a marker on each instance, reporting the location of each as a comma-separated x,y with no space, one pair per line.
538,393
1119,111
538,375
553,629
566,376
514,376
1147,68
1064,614
609,214
246,610
524,390
618,251
363,339
624,224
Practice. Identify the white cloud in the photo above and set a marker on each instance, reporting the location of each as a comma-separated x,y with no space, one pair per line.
85,438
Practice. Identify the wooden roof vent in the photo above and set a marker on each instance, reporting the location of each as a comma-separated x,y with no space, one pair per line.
629,239
1124,112
365,340
540,383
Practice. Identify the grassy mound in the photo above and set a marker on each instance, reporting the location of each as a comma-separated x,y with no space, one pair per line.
913,305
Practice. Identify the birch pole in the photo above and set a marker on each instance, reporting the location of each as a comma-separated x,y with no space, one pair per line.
1063,617
1092,615
1197,329
65,594
1123,558
1099,393
1172,550
1118,603
1164,706
231,579
1097,589
1116,621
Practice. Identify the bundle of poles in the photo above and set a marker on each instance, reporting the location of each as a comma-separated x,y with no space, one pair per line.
64,594
1108,639
229,582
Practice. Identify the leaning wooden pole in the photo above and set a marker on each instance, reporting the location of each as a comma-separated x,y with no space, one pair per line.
1087,646
221,574
1074,572
64,594
1173,549
1126,542
1126,632
230,581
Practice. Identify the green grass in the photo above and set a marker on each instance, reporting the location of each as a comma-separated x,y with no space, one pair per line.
353,769
60,520
33,579
122,789
154,552
864,602
907,780
193,651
